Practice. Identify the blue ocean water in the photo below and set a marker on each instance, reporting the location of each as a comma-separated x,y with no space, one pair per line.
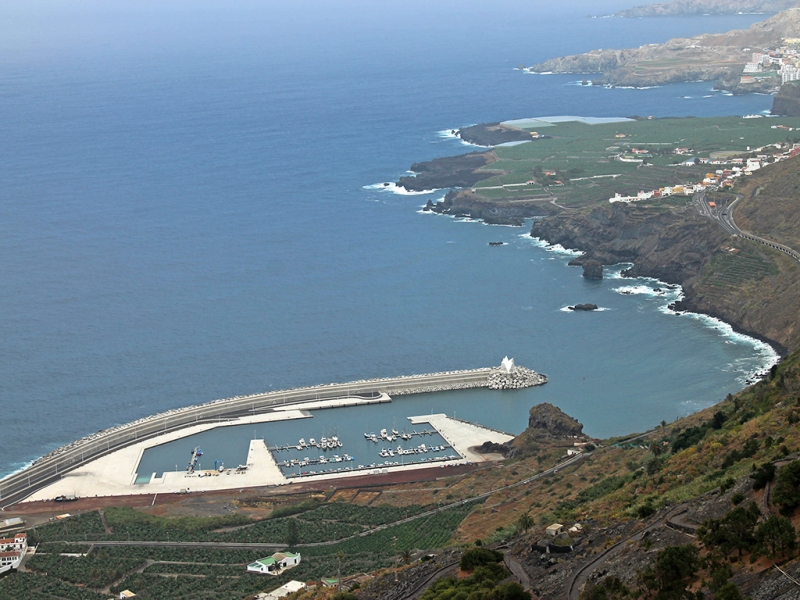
183,214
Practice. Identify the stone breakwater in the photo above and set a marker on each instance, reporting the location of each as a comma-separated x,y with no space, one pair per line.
518,378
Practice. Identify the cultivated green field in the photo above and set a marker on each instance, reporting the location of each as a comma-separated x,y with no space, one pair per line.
579,153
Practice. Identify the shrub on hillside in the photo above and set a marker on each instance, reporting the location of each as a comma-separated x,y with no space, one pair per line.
478,557
787,488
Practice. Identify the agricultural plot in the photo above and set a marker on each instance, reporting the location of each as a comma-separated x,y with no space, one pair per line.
579,152
733,269
177,572
32,586
94,570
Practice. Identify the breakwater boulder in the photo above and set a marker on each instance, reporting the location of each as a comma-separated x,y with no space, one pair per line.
515,378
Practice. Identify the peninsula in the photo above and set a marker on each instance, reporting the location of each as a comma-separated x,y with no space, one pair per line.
733,60
680,8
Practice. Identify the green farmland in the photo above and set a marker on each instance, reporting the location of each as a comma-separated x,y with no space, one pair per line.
329,536
585,160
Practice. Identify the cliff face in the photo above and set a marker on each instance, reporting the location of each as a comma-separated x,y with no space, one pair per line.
671,245
787,101
755,289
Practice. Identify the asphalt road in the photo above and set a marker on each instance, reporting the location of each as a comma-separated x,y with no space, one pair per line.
723,215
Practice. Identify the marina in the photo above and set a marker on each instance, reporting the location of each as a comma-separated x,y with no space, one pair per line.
150,450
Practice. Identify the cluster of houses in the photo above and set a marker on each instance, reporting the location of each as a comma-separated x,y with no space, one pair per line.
783,62
732,168
12,551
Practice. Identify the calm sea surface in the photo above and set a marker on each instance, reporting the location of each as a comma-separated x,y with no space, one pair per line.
185,214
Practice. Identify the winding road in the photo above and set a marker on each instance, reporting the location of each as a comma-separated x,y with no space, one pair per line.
724,217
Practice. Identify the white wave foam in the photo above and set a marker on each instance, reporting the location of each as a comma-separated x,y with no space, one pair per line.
555,248
567,309
388,186
751,368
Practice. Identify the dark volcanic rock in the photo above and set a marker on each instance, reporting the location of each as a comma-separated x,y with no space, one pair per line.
465,203
492,134
583,307
787,101
447,172
592,269
548,420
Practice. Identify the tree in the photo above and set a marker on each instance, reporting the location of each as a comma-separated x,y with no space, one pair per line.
733,532
763,475
674,568
787,489
611,588
775,536
291,532
406,556
525,521
729,591
657,448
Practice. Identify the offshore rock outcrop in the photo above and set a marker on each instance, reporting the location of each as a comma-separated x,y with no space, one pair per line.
518,378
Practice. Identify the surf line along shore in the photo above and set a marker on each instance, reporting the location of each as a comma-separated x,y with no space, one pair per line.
119,448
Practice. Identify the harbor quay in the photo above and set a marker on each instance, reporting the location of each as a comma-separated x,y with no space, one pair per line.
157,429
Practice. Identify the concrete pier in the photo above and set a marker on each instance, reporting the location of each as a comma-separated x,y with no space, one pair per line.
55,465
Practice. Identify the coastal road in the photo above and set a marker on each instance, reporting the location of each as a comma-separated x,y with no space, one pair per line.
723,215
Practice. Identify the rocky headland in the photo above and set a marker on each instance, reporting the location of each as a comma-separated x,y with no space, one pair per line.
709,57
449,171
494,134
680,8
547,424
512,211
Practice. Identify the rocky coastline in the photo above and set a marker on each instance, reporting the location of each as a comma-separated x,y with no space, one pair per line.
494,134
450,171
465,203
683,8
709,57
678,247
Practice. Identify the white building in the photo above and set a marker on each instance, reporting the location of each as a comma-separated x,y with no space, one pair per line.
275,564
283,591
789,73
12,551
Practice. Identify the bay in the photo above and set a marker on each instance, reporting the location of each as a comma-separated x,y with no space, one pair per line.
184,217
